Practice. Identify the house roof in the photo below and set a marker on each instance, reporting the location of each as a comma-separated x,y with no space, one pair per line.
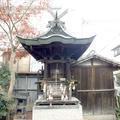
56,36
98,57
118,46
56,33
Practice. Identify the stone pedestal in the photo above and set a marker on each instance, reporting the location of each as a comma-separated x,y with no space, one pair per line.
58,111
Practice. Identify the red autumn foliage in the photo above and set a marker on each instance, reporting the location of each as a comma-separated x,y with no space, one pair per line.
15,20
17,16
19,53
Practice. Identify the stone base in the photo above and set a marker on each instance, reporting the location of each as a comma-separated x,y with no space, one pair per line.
57,110
58,114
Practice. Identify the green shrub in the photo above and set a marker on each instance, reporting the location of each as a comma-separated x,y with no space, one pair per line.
6,103
4,77
117,110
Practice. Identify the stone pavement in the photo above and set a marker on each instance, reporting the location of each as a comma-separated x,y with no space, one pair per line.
26,116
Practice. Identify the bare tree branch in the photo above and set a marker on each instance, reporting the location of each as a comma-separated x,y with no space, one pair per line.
5,23
13,25
5,31
9,34
24,12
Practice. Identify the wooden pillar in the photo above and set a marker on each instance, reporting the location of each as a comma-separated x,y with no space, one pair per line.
26,79
45,79
62,69
68,70
45,70
92,75
93,85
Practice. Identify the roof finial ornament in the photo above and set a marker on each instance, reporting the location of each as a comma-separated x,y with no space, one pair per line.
56,22
56,15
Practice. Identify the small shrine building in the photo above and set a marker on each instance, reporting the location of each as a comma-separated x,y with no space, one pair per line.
60,52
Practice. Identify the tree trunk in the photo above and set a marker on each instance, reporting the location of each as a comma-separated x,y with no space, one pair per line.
12,73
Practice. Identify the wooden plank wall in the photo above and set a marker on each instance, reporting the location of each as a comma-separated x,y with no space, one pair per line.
96,89
26,84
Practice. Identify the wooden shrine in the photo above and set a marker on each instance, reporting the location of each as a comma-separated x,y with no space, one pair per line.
59,52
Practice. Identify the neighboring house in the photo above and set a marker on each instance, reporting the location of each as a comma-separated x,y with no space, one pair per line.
26,76
116,51
24,61
25,90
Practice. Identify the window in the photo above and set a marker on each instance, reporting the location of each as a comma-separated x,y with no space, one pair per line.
117,51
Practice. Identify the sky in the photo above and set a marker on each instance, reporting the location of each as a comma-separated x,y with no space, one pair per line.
86,18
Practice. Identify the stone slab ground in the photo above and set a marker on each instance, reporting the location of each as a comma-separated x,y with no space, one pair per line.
28,116
99,117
